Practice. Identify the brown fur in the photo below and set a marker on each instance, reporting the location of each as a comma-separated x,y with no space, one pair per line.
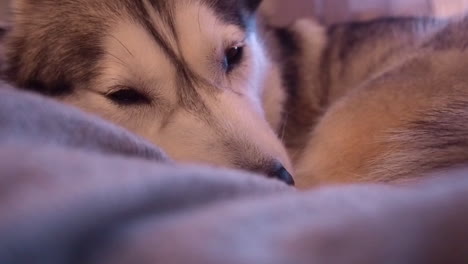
396,101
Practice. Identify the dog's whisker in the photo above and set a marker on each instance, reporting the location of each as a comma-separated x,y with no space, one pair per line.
123,45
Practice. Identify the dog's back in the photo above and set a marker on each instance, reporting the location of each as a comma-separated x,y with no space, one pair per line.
359,51
396,107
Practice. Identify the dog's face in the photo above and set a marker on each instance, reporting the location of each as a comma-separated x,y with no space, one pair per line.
192,76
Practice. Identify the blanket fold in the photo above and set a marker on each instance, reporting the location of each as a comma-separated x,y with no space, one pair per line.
75,189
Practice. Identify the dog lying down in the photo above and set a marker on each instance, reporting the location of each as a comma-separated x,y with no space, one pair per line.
210,82
75,189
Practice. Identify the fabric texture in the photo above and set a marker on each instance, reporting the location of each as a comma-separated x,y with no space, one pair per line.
75,189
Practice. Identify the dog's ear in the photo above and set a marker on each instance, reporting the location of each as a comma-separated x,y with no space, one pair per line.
252,5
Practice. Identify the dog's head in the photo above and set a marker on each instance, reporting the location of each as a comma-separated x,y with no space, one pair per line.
192,76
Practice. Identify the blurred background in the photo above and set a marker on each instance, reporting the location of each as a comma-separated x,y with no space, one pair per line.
331,11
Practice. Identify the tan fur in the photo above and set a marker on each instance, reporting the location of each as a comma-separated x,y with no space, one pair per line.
396,110
308,105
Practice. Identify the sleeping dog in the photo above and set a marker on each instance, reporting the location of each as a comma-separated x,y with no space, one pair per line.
210,82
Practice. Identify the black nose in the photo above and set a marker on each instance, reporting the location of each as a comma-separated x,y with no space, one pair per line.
282,174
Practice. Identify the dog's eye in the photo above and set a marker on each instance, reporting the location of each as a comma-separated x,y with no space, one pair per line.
128,97
233,56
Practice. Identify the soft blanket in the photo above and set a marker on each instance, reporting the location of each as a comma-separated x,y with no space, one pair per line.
75,189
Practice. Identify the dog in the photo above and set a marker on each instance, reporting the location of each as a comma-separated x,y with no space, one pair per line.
196,78
387,100
210,81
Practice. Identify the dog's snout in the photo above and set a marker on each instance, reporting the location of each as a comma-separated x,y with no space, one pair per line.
279,172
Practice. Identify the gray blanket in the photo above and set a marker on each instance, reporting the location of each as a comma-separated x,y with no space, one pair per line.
75,189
